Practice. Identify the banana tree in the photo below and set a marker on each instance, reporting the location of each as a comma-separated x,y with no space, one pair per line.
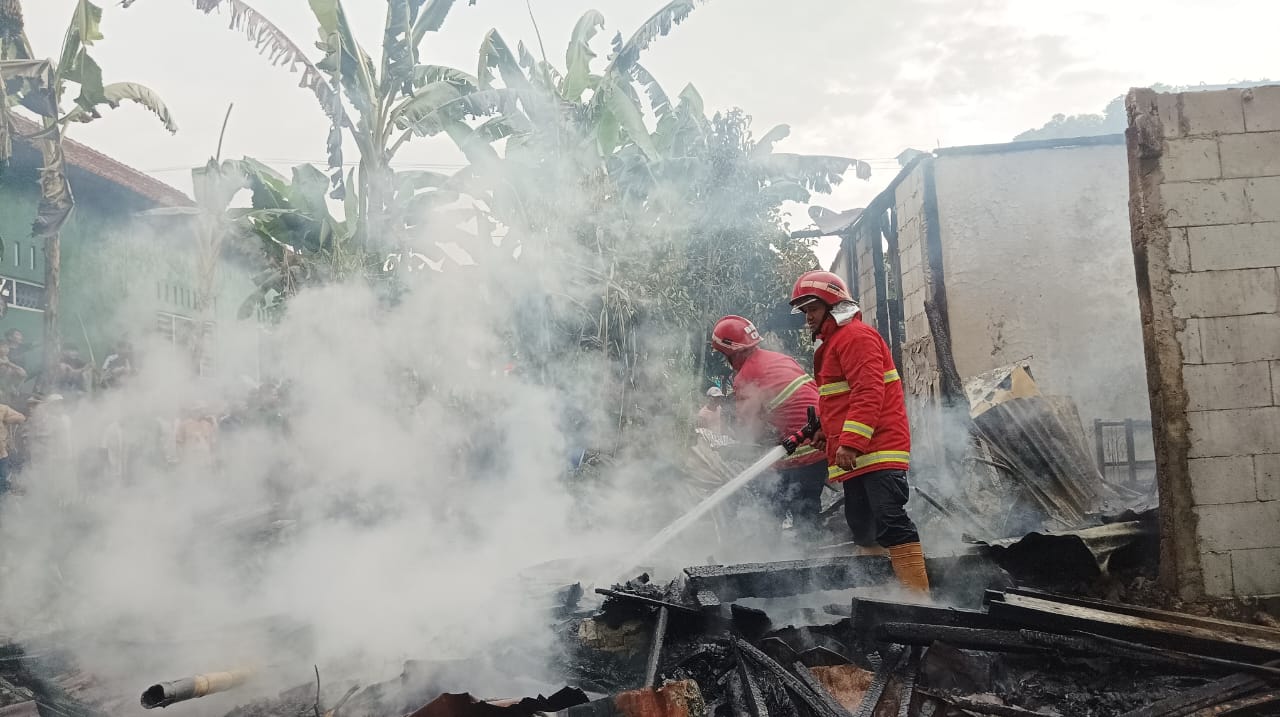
41,86
636,213
364,98
580,160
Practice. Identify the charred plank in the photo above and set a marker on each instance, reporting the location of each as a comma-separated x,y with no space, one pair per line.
792,683
645,600
1178,618
1205,696
969,638
655,649
791,577
878,683
868,613
1064,619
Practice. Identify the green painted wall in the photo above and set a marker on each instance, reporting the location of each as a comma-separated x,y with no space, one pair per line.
118,270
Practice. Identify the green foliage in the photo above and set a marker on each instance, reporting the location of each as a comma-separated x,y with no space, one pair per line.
40,87
638,219
651,219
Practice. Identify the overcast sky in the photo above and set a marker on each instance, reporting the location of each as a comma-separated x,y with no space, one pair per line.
859,79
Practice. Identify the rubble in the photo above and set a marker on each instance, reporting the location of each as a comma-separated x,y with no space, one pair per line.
464,705
1025,652
1011,631
653,650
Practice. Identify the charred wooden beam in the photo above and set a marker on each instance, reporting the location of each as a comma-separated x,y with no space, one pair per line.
1179,618
750,699
1064,619
792,577
1085,643
909,677
655,649
868,613
793,684
645,600
969,638
1251,705
878,683
725,583
1203,697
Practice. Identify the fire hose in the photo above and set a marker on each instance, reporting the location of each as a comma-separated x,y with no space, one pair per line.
786,447
167,693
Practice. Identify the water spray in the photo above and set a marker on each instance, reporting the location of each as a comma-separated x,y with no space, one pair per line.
664,536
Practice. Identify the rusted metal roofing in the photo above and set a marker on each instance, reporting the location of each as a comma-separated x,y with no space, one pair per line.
90,160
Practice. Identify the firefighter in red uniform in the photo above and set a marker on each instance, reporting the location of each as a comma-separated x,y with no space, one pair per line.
772,398
864,422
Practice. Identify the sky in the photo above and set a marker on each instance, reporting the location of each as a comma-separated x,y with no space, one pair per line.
855,79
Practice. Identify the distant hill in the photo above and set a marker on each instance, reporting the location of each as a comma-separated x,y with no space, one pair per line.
1112,120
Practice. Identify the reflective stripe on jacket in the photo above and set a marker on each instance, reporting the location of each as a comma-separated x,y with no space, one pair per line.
861,403
772,390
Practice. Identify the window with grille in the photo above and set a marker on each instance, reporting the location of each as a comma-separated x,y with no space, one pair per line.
22,294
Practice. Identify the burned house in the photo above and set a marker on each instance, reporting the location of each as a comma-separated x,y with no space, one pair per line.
976,258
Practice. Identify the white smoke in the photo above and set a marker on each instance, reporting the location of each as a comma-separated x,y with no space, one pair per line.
390,520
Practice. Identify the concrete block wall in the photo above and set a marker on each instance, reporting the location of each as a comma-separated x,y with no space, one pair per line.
907,199
1205,208
868,297
920,376
909,204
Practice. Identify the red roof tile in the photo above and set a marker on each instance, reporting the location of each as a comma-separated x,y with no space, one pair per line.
100,165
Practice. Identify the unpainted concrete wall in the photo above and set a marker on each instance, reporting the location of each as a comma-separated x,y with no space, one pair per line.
920,370
1037,263
1205,205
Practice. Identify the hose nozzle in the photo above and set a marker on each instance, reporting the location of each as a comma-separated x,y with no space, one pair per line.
793,441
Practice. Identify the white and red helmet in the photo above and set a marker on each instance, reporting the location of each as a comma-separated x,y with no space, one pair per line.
734,334
821,286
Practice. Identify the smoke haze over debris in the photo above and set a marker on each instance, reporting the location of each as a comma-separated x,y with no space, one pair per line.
420,470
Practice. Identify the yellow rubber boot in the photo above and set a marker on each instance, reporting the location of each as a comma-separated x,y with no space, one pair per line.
908,565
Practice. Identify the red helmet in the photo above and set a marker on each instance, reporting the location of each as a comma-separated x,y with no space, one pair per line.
733,334
821,285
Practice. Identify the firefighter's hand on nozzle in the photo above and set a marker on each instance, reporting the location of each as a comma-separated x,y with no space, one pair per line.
819,440
845,457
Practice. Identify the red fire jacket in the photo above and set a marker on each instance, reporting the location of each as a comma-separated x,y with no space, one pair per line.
771,389
861,402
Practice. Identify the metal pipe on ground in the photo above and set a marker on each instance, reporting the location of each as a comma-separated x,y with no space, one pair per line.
164,694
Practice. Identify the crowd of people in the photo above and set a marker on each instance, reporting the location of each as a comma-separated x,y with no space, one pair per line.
37,417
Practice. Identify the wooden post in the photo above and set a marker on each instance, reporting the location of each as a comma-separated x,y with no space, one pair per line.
52,290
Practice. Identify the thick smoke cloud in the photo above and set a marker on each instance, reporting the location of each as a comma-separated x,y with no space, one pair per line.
395,516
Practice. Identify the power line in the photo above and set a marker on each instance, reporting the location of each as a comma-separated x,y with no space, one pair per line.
321,162
875,162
